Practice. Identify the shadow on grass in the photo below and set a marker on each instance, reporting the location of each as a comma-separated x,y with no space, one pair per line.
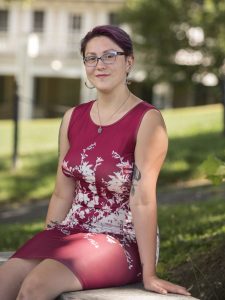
14,235
185,155
189,230
33,180
5,163
192,246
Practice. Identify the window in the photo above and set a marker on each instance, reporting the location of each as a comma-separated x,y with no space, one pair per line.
75,22
4,14
38,21
113,19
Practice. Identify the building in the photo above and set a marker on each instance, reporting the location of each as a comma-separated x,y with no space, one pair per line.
39,47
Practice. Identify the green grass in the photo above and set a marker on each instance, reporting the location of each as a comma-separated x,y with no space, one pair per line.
189,230
186,122
14,235
194,133
34,177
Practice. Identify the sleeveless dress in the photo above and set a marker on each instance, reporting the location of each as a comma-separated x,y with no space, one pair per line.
96,241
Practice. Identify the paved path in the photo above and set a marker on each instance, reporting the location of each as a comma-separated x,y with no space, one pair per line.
24,213
38,210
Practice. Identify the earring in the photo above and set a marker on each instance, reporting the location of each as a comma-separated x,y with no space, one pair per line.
127,82
89,87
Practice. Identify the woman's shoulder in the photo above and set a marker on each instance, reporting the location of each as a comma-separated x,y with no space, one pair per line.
146,106
82,106
152,117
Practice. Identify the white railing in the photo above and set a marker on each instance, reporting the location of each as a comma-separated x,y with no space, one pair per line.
64,46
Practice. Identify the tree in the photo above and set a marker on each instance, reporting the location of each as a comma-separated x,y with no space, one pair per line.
179,40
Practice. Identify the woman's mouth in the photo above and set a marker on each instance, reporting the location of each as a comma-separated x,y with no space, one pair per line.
102,75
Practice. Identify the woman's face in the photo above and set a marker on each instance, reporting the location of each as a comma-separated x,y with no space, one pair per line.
106,77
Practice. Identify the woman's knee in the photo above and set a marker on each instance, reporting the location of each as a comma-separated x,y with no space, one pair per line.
32,288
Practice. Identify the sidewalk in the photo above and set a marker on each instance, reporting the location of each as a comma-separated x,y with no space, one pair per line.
37,210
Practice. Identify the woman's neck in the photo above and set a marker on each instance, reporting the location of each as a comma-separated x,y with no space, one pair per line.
112,99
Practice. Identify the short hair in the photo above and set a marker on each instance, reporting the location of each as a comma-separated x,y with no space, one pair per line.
115,33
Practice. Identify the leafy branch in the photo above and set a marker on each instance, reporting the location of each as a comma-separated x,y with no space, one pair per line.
214,169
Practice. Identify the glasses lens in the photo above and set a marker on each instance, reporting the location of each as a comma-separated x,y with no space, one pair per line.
90,60
109,58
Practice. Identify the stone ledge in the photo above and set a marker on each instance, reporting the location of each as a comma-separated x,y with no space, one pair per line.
4,256
128,292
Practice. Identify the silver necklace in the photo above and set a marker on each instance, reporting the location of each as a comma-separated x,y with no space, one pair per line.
100,129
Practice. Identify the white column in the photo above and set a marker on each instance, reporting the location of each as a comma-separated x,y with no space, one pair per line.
24,80
87,22
85,93
101,18
26,18
26,103
13,27
62,32
48,39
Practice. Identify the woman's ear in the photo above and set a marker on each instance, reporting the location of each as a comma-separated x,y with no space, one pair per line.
130,62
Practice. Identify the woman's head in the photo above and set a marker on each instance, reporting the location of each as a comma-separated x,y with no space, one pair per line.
116,34
108,56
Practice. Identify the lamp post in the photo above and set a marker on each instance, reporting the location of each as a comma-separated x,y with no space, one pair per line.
28,48
15,122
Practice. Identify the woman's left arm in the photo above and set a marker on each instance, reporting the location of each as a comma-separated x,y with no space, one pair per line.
150,152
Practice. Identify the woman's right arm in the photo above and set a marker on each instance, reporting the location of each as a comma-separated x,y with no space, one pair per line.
62,196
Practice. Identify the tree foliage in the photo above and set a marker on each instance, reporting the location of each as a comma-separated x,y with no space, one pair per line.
214,169
162,28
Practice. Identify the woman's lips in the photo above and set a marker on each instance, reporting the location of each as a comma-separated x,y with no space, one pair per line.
102,75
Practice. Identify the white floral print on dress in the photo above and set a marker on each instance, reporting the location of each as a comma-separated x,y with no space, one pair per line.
112,217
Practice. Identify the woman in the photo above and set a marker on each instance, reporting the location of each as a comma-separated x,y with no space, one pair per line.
101,225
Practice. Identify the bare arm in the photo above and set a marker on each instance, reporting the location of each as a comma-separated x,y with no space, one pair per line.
62,196
150,152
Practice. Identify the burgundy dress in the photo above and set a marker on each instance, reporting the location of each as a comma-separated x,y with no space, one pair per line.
97,239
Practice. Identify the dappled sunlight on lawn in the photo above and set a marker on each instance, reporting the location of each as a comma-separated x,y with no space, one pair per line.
34,179
189,229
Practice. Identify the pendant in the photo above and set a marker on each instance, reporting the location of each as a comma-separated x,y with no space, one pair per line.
100,129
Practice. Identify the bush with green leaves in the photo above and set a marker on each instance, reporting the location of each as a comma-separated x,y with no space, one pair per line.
214,169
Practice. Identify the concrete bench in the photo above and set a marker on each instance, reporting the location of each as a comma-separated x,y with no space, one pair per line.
128,292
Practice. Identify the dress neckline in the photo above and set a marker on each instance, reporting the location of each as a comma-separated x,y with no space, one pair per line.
114,123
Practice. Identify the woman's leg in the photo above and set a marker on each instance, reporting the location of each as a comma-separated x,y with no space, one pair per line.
12,274
100,261
48,280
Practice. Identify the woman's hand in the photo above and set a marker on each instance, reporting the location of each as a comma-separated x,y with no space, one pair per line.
155,284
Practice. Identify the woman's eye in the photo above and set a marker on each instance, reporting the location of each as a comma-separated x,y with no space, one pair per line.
91,58
109,55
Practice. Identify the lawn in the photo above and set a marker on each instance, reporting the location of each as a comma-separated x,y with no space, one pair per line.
34,177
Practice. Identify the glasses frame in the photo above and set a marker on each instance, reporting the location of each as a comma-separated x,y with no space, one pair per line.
116,53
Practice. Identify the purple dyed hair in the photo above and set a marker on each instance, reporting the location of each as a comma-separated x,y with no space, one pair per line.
115,33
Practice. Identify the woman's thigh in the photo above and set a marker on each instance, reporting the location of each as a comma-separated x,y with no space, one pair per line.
99,260
48,280
12,274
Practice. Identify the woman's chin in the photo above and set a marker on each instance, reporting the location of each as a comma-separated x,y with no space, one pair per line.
103,88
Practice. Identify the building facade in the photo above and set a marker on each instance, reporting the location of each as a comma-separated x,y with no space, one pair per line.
39,50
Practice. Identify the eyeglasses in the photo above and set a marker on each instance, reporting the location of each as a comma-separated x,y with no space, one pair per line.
107,58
